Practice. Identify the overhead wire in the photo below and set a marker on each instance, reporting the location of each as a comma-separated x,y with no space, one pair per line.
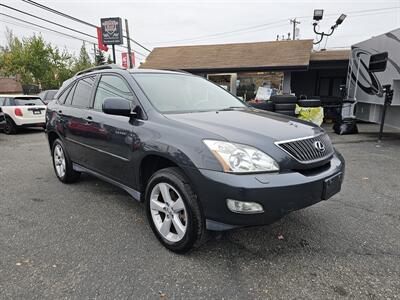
42,6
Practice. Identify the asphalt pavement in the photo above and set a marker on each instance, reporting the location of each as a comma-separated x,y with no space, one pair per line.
91,240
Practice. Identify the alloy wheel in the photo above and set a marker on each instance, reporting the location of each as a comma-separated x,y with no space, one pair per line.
59,161
168,212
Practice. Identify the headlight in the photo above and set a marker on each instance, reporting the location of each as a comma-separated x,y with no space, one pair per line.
237,158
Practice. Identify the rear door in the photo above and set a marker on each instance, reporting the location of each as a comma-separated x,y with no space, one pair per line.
78,127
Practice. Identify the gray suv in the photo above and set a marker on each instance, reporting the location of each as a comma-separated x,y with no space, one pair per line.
197,157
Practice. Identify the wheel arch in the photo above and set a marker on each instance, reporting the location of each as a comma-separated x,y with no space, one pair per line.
51,137
153,162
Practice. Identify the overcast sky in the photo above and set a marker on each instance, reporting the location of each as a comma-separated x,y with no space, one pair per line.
168,23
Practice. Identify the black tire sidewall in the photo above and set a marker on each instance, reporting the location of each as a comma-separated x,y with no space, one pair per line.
310,103
285,106
11,125
180,183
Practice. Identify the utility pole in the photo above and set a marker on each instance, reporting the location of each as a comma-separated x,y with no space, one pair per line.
113,52
294,22
129,44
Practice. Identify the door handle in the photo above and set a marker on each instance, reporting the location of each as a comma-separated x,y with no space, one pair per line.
89,120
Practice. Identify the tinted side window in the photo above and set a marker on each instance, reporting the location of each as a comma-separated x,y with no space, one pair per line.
111,86
70,95
83,92
1,101
64,95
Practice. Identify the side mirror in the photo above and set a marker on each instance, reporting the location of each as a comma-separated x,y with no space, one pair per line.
118,107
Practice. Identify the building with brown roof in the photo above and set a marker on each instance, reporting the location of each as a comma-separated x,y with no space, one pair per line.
288,66
9,85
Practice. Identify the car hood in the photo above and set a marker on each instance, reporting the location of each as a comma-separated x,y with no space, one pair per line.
248,126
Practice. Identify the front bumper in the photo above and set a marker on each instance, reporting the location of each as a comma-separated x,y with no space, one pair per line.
279,194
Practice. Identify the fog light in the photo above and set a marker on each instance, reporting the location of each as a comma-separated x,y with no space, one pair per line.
244,207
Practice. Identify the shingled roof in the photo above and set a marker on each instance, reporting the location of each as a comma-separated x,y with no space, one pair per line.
233,57
330,55
9,86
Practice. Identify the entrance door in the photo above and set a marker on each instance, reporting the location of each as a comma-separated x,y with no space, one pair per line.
226,81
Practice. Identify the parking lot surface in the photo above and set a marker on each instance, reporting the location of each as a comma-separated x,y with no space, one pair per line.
91,240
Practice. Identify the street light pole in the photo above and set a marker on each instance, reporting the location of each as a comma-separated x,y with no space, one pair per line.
318,14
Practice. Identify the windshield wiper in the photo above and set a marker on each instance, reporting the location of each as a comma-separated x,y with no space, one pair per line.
231,108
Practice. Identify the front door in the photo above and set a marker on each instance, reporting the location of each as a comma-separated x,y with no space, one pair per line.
114,138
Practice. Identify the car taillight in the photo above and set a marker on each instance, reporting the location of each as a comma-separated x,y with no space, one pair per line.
18,112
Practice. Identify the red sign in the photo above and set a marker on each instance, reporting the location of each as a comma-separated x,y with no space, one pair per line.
102,47
125,62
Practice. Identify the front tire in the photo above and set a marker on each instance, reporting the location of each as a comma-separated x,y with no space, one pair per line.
173,211
62,163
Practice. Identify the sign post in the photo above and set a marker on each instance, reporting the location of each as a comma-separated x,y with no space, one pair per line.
111,29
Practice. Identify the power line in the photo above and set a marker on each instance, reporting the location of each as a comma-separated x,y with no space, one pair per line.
48,21
62,33
74,19
58,33
38,30
46,28
92,36
265,26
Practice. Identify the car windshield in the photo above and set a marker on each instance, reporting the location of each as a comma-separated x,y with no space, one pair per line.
27,101
176,93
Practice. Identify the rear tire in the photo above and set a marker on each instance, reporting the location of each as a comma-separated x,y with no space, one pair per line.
283,99
286,112
62,163
173,211
285,106
11,127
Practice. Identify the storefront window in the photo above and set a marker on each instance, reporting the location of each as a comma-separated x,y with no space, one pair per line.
248,83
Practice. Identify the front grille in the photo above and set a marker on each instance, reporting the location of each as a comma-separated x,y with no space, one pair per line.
306,150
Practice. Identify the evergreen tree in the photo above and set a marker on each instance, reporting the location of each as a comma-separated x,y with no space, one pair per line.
100,59
109,60
83,60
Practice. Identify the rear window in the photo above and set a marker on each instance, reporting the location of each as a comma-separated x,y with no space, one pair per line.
27,101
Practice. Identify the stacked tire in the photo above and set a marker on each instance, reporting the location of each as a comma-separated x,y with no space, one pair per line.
265,105
284,104
309,102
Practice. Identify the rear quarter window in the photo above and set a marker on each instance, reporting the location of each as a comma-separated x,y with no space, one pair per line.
83,92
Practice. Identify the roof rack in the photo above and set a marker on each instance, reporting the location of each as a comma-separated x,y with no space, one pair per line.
178,71
103,67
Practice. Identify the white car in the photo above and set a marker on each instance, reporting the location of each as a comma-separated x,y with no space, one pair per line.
22,111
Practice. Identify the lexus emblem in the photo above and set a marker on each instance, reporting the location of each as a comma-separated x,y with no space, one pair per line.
319,146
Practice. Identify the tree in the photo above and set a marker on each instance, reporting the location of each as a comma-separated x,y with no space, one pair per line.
100,59
83,60
109,60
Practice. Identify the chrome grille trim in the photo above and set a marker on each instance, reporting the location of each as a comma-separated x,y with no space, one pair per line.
303,149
